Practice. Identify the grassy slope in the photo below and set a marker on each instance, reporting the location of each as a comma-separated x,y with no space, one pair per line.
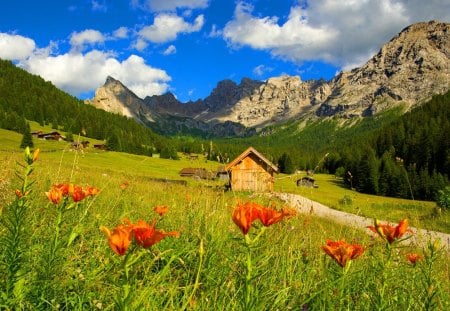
125,167
289,267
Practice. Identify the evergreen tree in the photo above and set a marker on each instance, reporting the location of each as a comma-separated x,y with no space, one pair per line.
169,152
113,142
285,164
27,138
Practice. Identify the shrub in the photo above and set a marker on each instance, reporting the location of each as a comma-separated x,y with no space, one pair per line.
443,199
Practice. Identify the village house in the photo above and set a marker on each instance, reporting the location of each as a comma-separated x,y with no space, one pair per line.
48,136
200,173
251,171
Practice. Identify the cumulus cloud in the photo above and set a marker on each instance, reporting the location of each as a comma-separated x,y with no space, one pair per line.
166,27
344,32
169,5
79,40
171,49
78,73
15,47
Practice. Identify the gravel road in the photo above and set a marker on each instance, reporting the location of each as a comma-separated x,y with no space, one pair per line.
304,205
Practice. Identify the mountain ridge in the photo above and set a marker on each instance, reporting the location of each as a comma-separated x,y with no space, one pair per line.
409,69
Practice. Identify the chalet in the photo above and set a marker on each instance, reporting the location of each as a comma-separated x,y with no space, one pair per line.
50,136
201,173
222,174
251,171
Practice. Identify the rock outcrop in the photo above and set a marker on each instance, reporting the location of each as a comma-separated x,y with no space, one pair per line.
409,69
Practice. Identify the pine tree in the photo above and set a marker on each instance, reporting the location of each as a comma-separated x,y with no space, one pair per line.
27,139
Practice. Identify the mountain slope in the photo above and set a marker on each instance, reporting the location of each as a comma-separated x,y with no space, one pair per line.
410,68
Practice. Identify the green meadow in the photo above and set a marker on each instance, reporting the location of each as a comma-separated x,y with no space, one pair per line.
55,257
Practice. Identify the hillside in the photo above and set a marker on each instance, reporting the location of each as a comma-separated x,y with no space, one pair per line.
24,96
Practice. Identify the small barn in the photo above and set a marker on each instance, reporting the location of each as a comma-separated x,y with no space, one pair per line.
200,173
251,171
307,181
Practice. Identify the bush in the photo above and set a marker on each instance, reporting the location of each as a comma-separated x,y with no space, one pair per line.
443,199
346,200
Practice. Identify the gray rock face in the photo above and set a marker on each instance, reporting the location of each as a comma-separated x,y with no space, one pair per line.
409,69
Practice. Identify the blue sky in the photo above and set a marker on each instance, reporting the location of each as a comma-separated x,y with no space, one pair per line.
187,46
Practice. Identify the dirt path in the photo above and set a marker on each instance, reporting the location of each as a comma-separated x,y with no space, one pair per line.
305,205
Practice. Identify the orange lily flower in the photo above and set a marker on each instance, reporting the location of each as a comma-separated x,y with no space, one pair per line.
161,210
77,193
19,193
342,252
147,235
92,190
54,195
270,216
390,233
36,154
414,258
64,188
245,214
119,239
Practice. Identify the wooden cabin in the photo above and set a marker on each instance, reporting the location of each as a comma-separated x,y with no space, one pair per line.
251,171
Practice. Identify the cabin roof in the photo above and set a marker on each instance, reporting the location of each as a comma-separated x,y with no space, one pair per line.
247,152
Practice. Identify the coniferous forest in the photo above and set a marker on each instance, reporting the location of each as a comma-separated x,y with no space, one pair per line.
408,158
400,155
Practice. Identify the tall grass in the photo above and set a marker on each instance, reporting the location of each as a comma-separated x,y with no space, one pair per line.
202,269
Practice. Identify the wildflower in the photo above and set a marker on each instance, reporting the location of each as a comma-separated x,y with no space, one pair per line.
147,235
342,252
245,214
54,195
19,193
64,188
270,216
119,239
390,233
77,193
414,258
92,191
36,154
161,210
124,185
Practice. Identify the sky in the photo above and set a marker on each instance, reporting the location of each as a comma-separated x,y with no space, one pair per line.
187,46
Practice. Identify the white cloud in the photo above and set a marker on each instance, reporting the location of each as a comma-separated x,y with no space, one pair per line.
169,5
15,47
78,73
140,44
342,32
166,27
260,70
99,5
78,40
121,33
215,32
171,49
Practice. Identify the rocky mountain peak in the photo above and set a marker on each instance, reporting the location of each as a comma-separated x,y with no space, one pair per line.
409,69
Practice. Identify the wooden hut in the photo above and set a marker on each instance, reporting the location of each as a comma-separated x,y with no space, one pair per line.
251,171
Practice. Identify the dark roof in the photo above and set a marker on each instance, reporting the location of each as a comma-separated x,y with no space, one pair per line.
245,154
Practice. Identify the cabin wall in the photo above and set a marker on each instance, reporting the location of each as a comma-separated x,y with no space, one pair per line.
251,174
